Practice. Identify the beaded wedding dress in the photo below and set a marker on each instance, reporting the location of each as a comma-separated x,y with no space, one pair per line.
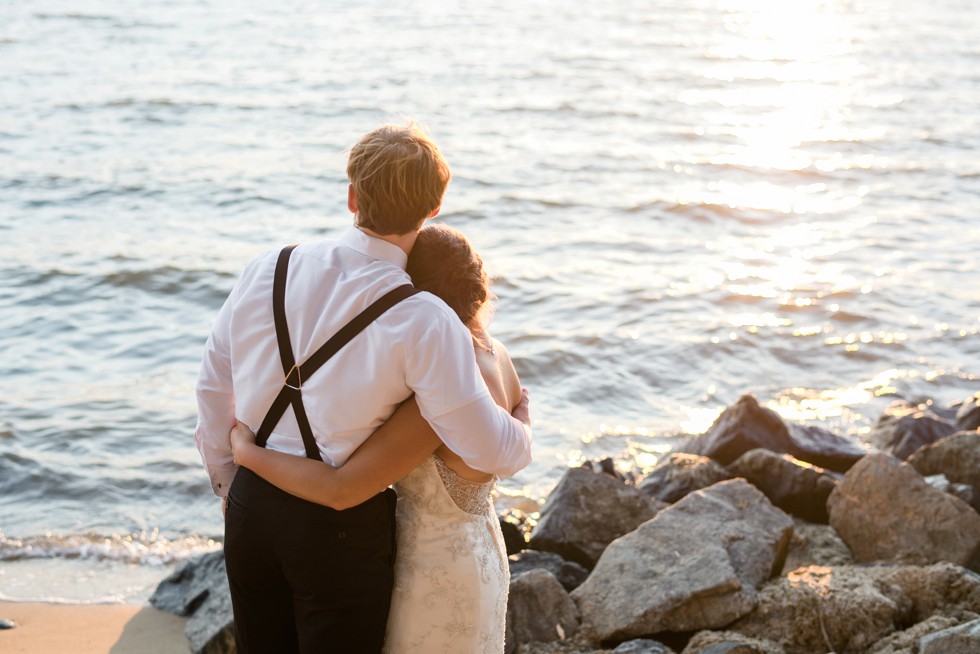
451,572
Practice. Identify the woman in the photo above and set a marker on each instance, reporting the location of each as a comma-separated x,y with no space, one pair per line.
451,572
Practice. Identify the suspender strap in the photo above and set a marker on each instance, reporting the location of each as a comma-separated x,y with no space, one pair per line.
295,375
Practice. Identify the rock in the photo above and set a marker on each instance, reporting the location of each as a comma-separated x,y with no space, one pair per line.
904,427
568,573
538,609
957,457
642,646
7,624
199,589
747,426
795,486
885,511
680,474
729,642
585,512
514,540
962,639
962,491
696,565
815,545
968,415
850,608
907,640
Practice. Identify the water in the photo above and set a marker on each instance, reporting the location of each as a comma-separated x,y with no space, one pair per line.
680,202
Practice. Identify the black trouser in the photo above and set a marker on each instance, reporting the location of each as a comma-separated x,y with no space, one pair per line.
304,577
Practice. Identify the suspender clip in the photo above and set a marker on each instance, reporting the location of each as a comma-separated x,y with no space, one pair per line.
294,376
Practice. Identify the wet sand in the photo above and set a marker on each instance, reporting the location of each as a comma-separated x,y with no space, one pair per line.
91,629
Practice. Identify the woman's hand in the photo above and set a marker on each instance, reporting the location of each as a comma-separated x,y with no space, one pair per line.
241,439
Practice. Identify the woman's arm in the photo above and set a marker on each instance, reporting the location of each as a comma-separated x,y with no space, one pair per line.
390,453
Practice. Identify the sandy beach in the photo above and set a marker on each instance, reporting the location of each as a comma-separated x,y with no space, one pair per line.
91,629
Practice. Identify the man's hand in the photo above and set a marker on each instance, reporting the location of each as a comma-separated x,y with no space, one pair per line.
522,411
241,438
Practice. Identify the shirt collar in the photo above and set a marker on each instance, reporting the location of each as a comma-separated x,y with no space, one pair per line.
373,247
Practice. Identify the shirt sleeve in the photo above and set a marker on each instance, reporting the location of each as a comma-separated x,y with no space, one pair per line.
216,403
453,398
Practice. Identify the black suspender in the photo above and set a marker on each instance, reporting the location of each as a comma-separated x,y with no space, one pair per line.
291,393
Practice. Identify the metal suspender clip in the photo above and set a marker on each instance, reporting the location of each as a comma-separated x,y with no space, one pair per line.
289,378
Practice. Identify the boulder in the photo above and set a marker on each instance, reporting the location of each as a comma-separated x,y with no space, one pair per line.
885,511
585,512
815,545
696,565
907,640
729,642
568,573
514,540
968,414
747,426
962,639
680,474
199,589
904,427
642,646
795,486
538,609
962,491
957,457
851,608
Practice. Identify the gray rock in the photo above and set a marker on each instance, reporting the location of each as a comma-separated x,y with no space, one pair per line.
696,565
968,414
906,641
957,457
905,427
568,573
815,545
851,608
962,491
538,610
747,426
680,474
586,512
963,639
729,642
885,511
794,486
514,540
199,589
642,646
7,624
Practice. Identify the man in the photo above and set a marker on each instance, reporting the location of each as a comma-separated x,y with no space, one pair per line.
305,577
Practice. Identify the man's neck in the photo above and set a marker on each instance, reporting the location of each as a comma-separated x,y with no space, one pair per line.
404,241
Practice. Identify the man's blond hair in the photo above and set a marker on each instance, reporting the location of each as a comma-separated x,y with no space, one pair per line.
399,177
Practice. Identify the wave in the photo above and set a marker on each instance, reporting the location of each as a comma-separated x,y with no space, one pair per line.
143,548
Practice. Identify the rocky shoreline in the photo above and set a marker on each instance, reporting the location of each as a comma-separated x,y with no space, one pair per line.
756,537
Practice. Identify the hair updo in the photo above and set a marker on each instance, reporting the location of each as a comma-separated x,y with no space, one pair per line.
444,263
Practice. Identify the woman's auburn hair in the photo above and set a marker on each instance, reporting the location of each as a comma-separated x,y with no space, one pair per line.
444,263
399,176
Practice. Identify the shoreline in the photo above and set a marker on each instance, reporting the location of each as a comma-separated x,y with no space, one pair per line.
91,629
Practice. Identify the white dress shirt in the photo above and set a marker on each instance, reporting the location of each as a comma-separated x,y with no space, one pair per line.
418,346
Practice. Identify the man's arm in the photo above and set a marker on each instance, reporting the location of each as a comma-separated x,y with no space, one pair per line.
454,399
216,404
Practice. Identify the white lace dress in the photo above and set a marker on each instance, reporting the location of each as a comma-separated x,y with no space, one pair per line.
451,573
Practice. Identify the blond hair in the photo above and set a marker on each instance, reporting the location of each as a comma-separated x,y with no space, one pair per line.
399,177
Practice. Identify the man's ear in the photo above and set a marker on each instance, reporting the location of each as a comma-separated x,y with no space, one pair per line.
434,213
351,198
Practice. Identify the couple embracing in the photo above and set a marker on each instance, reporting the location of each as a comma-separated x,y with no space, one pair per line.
336,369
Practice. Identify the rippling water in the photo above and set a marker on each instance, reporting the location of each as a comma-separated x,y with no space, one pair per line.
680,202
